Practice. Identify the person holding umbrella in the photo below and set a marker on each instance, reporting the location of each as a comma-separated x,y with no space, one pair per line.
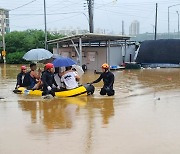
48,80
108,79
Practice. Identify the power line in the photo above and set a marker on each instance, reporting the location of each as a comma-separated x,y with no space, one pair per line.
39,25
55,4
107,15
66,6
39,14
23,5
121,13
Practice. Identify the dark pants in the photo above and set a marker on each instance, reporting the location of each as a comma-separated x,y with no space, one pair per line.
46,92
108,91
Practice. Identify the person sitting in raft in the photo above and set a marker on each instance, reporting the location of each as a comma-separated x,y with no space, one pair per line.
108,79
57,76
70,78
20,77
43,71
48,80
32,78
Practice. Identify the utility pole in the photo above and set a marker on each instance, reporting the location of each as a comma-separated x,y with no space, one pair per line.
45,24
178,22
155,35
168,21
122,27
169,18
3,37
90,4
153,28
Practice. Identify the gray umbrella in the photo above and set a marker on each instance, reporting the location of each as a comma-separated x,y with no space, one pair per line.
37,55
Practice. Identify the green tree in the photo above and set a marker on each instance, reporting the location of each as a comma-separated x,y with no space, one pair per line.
15,58
23,41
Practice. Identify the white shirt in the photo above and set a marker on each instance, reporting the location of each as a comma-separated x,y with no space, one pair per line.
57,79
23,78
70,80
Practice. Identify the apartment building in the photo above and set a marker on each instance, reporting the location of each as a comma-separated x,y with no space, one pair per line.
4,21
134,28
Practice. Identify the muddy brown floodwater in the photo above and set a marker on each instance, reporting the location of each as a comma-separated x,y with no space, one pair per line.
142,118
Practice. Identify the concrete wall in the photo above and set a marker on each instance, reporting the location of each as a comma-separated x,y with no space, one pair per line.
94,57
130,49
115,56
117,53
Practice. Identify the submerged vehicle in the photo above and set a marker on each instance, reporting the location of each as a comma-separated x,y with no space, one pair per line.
83,90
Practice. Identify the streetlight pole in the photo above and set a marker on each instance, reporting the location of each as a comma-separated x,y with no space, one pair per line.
169,17
45,24
168,21
153,26
178,22
3,36
155,33
86,17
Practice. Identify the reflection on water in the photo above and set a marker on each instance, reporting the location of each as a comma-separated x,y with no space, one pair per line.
60,113
105,107
54,114
4,71
132,121
9,71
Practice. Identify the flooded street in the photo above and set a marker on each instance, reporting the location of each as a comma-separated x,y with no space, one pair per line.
142,118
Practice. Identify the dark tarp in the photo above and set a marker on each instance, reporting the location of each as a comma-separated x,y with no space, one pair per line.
159,51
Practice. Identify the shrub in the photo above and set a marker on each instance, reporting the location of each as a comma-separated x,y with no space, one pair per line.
15,58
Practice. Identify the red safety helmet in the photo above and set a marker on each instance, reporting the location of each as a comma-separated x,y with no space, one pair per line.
49,65
105,66
23,67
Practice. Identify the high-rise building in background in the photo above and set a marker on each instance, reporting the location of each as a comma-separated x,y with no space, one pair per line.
134,28
4,21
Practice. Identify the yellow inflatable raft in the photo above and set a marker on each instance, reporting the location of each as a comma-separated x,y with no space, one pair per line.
84,90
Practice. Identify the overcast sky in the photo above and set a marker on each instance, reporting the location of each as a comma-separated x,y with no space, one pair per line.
108,14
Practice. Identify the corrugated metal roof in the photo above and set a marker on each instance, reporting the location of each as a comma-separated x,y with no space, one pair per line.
90,37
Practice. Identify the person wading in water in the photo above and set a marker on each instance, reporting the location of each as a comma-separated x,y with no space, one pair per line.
108,79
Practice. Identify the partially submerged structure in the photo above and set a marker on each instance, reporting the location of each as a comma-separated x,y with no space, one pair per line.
159,53
93,50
